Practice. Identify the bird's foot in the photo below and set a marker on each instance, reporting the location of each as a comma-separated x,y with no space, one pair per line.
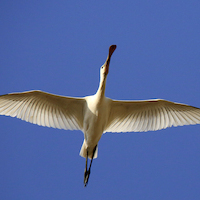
86,176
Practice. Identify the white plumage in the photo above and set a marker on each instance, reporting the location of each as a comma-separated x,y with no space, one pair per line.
96,114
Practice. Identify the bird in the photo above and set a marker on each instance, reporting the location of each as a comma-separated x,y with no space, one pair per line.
96,114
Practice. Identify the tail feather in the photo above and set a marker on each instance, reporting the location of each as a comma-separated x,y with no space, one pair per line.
83,151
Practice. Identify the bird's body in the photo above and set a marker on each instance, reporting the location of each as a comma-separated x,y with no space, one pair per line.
94,123
96,114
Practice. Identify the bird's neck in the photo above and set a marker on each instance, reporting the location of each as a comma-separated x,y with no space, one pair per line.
101,90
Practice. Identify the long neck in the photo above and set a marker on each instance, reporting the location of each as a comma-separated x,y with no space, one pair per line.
101,90
100,95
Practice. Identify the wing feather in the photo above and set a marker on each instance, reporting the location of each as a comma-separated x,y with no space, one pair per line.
50,115
128,116
44,109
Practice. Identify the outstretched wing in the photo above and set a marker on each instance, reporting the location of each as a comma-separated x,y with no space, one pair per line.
44,109
149,115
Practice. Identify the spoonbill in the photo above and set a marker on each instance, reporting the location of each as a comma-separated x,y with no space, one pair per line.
96,114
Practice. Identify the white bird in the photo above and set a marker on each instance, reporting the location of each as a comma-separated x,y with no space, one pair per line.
96,114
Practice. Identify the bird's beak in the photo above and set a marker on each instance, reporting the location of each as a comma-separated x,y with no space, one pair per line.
111,50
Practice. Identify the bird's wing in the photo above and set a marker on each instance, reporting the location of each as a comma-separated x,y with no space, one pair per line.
44,109
149,115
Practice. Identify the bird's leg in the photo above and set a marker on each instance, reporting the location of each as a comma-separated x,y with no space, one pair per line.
92,157
87,172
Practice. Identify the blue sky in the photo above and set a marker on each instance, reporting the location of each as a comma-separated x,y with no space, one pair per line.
58,47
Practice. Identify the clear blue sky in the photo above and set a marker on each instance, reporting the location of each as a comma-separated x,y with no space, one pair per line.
58,47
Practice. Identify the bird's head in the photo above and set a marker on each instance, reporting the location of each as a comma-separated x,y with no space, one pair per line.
105,67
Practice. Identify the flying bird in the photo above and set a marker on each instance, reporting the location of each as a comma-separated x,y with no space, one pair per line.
96,114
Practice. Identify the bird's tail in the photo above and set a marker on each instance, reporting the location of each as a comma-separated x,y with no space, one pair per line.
83,151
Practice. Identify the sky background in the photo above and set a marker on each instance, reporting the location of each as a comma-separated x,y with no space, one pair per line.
58,47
